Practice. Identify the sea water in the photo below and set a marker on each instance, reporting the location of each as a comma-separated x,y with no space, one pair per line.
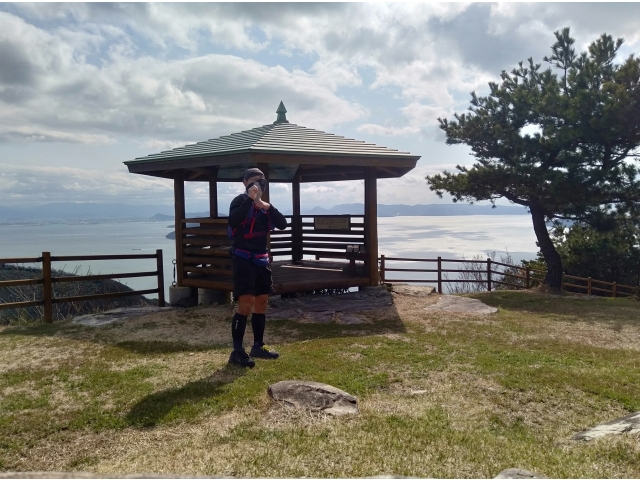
463,236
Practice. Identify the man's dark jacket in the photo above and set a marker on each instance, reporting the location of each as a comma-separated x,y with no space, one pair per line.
239,212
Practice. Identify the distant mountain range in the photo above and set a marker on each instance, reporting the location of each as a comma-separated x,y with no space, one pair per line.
80,211
90,212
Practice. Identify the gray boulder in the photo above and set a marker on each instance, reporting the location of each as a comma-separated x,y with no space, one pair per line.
412,290
314,396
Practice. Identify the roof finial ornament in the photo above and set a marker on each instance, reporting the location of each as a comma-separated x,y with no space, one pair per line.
281,111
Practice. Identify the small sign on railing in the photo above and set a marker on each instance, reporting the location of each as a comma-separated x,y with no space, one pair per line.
338,223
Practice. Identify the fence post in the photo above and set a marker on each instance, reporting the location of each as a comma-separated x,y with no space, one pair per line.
528,278
160,269
488,274
439,274
588,285
562,283
382,269
615,289
47,287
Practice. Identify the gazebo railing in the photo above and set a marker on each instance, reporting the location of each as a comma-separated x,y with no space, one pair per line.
327,236
322,236
205,245
205,248
282,240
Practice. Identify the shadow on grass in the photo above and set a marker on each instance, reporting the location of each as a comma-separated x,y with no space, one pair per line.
277,332
158,347
184,402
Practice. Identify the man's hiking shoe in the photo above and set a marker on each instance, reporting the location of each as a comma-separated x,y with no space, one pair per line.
262,352
240,358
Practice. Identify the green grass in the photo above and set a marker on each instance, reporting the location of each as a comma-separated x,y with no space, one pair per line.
504,392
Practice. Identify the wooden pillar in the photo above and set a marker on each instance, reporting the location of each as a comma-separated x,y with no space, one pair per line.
47,287
371,223
296,221
178,194
160,270
213,193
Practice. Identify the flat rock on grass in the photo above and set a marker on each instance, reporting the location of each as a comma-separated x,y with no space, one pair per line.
518,473
455,304
627,424
110,316
314,396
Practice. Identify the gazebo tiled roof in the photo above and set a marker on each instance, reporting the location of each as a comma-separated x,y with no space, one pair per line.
283,145
276,138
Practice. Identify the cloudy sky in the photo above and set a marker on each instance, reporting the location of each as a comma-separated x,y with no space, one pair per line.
86,86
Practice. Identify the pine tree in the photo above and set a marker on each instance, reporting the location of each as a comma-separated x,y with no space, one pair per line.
581,162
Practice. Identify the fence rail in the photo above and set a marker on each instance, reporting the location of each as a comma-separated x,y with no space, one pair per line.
523,277
47,280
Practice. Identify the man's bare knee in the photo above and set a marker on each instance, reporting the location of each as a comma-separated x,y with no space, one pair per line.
260,305
245,304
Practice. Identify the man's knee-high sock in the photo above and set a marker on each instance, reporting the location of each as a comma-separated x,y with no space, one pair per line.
238,326
258,321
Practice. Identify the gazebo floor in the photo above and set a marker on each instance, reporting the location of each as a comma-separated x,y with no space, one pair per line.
289,278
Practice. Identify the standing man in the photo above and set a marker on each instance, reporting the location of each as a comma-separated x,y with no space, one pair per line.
250,220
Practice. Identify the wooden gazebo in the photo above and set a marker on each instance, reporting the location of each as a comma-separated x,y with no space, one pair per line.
326,252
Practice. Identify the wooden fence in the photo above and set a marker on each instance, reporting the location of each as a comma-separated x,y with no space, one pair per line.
589,285
48,280
510,276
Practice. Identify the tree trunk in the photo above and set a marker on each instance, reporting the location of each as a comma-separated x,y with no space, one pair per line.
553,279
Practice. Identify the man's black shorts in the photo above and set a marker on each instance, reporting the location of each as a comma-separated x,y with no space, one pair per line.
249,279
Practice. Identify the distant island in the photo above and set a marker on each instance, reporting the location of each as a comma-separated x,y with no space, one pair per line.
102,213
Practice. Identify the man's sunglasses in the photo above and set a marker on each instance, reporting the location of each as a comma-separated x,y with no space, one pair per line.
262,183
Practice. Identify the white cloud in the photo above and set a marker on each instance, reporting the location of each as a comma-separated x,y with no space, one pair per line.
159,145
55,90
157,74
22,134
37,185
374,129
